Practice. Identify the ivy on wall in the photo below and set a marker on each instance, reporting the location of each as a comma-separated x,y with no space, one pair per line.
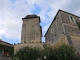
7,48
78,24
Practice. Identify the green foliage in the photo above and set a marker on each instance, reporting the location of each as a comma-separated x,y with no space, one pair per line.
16,58
78,24
48,53
63,52
8,48
28,53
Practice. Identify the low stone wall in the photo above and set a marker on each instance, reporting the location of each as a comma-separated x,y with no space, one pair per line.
76,42
19,46
5,58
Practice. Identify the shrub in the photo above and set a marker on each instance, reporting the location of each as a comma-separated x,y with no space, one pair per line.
63,52
7,48
47,53
28,53
16,58
78,24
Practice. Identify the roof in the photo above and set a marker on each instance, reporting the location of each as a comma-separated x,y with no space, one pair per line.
69,13
5,42
55,17
31,16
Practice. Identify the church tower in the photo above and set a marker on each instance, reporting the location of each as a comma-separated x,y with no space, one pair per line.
31,29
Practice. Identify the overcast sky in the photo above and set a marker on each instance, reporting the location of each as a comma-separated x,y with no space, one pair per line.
12,12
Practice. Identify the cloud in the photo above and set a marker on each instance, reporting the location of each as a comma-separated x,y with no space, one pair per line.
72,6
10,18
11,12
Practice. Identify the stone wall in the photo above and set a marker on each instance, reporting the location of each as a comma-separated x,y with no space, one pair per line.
19,46
5,58
58,30
31,30
66,19
70,27
71,30
61,40
65,30
75,42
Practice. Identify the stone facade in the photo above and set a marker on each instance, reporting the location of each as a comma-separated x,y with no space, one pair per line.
31,33
31,29
19,46
55,30
64,29
5,58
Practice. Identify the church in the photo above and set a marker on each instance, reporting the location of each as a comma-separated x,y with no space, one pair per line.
63,29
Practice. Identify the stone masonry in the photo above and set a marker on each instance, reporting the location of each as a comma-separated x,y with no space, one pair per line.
5,58
64,29
31,33
31,29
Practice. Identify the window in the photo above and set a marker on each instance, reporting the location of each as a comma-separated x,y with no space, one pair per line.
77,52
55,35
24,41
52,29
72,19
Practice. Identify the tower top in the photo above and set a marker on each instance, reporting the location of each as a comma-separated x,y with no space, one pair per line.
31,16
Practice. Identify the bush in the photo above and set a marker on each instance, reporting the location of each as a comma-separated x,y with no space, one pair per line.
63,52
7,48
28,53
78,24
16,58
47,53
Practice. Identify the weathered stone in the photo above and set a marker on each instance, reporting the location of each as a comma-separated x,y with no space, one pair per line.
5,58
31,29
65,27
31,33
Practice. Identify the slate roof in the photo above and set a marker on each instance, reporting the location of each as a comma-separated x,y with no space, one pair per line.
31,16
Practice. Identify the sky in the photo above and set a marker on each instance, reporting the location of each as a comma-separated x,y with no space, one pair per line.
12,12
